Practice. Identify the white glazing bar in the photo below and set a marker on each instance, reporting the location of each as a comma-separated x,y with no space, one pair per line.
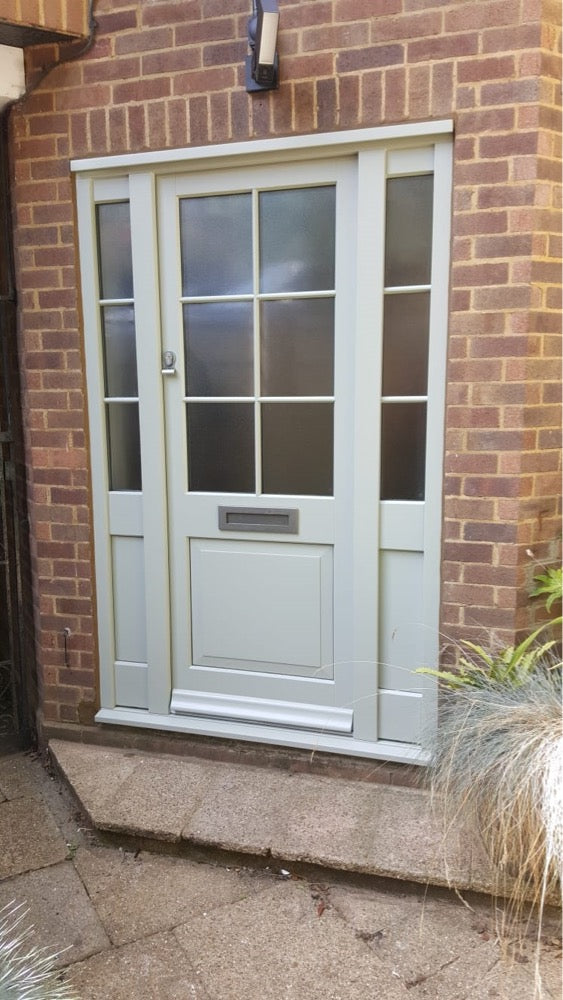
219,399
261,296
327,293
404,399
297,399
121,399
252,399
405,289
256,321
195,299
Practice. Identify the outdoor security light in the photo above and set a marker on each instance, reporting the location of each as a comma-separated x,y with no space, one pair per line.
262,65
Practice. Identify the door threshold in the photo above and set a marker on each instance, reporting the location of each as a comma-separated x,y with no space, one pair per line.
400,753
262,711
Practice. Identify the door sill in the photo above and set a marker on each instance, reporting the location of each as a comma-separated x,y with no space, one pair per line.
262,711
401,753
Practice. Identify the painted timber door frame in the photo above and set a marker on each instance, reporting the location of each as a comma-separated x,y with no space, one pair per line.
392,613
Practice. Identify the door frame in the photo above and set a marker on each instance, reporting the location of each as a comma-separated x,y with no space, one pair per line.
143,516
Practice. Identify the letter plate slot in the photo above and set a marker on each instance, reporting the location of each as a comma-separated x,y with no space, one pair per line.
281,520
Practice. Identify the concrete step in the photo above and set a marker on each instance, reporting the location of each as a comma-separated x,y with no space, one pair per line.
332,823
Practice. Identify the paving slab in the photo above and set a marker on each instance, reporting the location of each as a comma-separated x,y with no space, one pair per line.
156,799
279,944
370,828
29,837
155,967
19,776
60,912
95,773
137,895
446,947
243,810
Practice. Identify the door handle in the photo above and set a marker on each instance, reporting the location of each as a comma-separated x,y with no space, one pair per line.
168,363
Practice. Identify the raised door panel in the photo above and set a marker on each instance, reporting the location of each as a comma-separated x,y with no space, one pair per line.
262,606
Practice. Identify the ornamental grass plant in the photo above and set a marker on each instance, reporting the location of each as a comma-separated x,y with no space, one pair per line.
26,971
498,759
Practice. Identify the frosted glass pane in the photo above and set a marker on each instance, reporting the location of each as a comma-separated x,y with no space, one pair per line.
114,250
216,240
124,446
297,447
221,447
405,344
297,340
297,240
218,339
403,451
408,236
120,355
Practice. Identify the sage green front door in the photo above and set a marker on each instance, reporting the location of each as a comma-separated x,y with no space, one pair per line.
266,342
257,274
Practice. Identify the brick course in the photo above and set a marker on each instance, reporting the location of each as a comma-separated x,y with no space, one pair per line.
170,73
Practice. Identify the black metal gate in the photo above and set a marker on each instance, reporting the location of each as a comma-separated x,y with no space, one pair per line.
17,665
9,716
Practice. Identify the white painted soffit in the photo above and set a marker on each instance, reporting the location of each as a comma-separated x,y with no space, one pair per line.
12,74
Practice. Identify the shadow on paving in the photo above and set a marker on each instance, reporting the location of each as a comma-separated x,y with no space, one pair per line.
132,924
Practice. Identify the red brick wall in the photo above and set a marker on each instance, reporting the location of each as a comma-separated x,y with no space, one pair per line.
166,73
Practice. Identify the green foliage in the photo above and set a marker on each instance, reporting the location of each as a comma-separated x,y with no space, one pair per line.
549,585
512,665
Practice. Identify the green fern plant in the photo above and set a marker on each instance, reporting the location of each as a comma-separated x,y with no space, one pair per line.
512,665
549,585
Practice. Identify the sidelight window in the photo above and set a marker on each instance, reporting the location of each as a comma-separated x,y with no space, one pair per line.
406,328
121,394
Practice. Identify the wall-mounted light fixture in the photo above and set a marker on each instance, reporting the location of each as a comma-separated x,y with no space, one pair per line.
262,65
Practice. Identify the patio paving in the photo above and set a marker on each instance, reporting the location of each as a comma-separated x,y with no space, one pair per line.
134,924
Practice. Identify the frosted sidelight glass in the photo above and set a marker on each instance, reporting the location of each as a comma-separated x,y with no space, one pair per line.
408,234
216,243
124,446
403,451
114,251
297,448
405,344
219,348
297,347
297,239
221,447
120,356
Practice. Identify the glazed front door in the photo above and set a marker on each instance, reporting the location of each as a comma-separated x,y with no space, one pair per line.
265,338
257,272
